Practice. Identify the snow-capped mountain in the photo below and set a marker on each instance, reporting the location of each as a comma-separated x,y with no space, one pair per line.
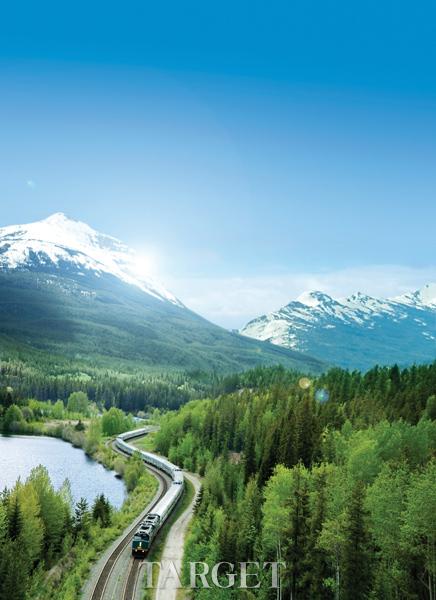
356,332
69,291
60,242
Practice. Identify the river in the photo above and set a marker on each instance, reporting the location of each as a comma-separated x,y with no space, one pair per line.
20,453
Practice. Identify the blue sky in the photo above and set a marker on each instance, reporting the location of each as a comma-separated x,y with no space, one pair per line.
252,149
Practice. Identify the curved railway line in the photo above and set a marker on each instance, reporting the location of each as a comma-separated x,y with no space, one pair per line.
130,586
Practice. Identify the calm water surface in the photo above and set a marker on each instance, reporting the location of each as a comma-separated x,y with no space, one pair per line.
20,453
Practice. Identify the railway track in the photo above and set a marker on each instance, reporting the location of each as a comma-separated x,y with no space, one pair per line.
134,565
129,592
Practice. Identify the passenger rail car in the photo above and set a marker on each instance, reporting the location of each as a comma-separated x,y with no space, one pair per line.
149,527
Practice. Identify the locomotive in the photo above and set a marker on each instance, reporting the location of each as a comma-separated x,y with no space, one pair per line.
149,527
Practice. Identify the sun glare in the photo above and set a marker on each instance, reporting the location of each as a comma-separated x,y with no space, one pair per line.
144,266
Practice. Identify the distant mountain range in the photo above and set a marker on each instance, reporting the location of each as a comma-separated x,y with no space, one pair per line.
356,332
69,291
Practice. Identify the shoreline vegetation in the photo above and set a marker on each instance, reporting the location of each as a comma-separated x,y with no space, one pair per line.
62,541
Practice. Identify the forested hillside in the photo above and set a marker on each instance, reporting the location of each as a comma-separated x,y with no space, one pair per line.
133,391
388,391
334,476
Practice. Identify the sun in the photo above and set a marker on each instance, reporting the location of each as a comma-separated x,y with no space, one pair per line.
144,266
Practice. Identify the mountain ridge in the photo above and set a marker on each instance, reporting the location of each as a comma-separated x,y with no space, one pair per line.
357,331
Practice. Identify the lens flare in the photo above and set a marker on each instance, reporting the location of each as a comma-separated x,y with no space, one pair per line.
304,383
322,395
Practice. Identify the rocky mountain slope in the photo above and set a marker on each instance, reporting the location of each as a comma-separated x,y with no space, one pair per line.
355,332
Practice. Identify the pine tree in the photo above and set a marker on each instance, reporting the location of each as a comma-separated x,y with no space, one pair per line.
14,518
295,553
101,511
249,522
13,572
430,409
227,535
270,456
306,431
249,455
81,519
395,377
356,579
319,567
288,444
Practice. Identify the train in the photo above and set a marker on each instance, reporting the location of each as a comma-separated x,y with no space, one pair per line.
149,527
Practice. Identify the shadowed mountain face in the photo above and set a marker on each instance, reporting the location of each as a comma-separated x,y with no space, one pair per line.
357,332
70,291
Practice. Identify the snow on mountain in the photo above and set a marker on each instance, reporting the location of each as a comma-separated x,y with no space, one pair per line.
356,331
314,299
59,241
423,298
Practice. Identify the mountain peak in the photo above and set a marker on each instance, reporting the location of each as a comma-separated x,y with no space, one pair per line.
359,297
314,298
426,296
59,240
58,217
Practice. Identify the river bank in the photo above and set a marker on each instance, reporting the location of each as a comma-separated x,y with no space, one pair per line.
63,576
